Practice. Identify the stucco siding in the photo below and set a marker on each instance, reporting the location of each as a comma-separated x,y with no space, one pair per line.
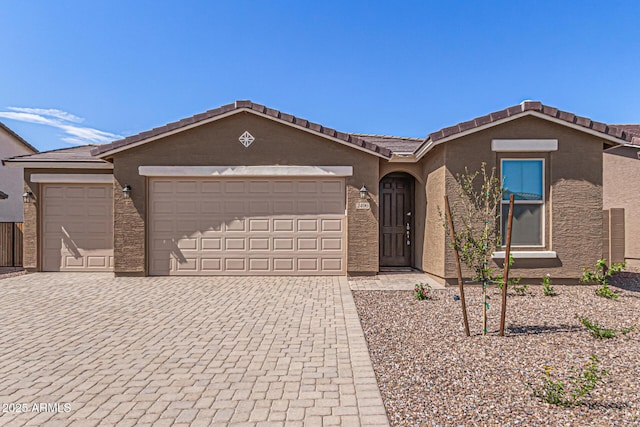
433,169
621,171
11,179
216,144
573,178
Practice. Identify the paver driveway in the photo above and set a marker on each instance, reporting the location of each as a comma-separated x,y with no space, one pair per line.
183,351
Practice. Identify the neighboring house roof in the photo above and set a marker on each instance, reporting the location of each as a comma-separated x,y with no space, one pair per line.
3,195
79,156
633,129
397,144
18,137
534,108
229,109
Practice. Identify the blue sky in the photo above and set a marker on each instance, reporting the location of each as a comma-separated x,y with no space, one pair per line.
81,71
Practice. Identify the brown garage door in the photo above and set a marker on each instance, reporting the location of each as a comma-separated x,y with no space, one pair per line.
77,227
246,226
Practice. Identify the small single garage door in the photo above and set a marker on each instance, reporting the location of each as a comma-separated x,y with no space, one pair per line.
261,226
77,227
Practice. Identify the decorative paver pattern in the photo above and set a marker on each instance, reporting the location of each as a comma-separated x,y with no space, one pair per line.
392,281
248,351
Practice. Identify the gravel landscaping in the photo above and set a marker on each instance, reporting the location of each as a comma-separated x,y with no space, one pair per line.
430,374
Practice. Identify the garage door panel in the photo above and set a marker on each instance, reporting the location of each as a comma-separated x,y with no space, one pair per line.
332,264
307,187
187,207
188,244
331,225
187,264
260,207
259,187
259,244
98,192
77,227
331,244
162,186
73,262
259,264
307,244
235,264
53,192
259,224
211,207
283,207
234,244
238,207
308,264
75,193
211,244
235,225
256,226
98,261
283,244
283,265
307,225
185,187
231,187
211,186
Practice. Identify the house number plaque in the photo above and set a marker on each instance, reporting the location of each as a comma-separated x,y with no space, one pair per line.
362,205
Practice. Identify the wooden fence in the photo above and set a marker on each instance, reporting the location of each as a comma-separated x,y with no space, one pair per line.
11,244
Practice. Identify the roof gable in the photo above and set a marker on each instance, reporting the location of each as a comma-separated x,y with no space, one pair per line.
353,141
533,108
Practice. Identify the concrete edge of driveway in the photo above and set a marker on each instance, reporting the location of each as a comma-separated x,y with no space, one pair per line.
370,405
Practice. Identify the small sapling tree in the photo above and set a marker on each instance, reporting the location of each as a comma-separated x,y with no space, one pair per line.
475,214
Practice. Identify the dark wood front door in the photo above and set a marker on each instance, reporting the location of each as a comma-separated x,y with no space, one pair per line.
396,222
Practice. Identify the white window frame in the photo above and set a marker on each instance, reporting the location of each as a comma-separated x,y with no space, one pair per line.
542,202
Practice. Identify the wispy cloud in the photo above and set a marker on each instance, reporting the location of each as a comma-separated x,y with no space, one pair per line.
74,133
50,112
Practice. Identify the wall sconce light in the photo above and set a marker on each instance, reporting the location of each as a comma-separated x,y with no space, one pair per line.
126,191
363,192
27,197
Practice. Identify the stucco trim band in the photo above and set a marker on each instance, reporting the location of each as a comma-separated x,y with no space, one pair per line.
527,254
80,178
527,145
246,171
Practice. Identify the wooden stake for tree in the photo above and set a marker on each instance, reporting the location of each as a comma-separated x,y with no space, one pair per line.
507,256
484,307
452,232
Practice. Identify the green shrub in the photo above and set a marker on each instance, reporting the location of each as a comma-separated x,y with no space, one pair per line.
579,385
546,286
601,274
596,329
422,291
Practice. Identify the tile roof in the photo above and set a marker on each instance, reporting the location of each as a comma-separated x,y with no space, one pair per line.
397,144
382,144
18,137
633,129
72,154
239,105
534,106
